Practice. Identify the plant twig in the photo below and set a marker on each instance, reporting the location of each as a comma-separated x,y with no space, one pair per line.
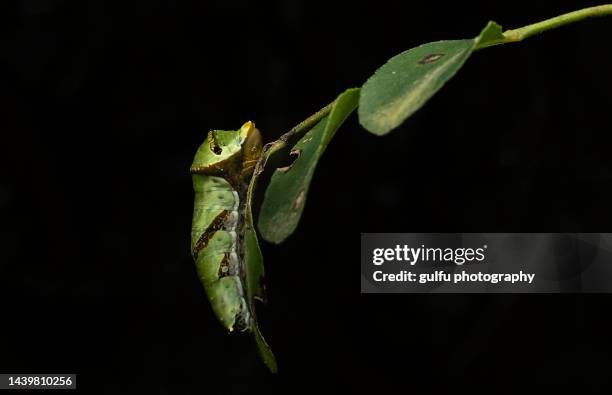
308,123
522,33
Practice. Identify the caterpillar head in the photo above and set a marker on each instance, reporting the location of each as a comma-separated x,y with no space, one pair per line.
228,153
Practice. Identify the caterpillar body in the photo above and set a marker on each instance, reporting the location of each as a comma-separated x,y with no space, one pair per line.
221,171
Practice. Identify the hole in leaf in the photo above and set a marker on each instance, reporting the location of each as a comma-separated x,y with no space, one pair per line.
293,155
431,58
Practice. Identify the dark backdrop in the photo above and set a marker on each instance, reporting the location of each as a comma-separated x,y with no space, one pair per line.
104,104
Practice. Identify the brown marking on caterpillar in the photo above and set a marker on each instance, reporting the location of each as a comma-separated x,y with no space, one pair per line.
215,169
431,58
229,169
248,168
214,146
294,153
214,226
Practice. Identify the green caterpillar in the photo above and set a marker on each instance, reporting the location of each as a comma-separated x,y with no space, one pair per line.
221,171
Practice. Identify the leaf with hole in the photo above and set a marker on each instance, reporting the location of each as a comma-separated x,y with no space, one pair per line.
285,196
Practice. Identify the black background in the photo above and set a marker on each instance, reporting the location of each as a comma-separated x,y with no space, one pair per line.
105,103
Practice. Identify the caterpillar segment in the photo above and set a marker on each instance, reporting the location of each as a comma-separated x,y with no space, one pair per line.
221,170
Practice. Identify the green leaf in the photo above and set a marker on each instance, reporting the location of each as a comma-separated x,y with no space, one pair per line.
404,84
254,272
285,196
264,350
490,35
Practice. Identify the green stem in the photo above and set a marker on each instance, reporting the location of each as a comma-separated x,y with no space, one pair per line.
308,123
527,31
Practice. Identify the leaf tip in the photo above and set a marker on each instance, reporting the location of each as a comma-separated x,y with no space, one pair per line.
264,350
